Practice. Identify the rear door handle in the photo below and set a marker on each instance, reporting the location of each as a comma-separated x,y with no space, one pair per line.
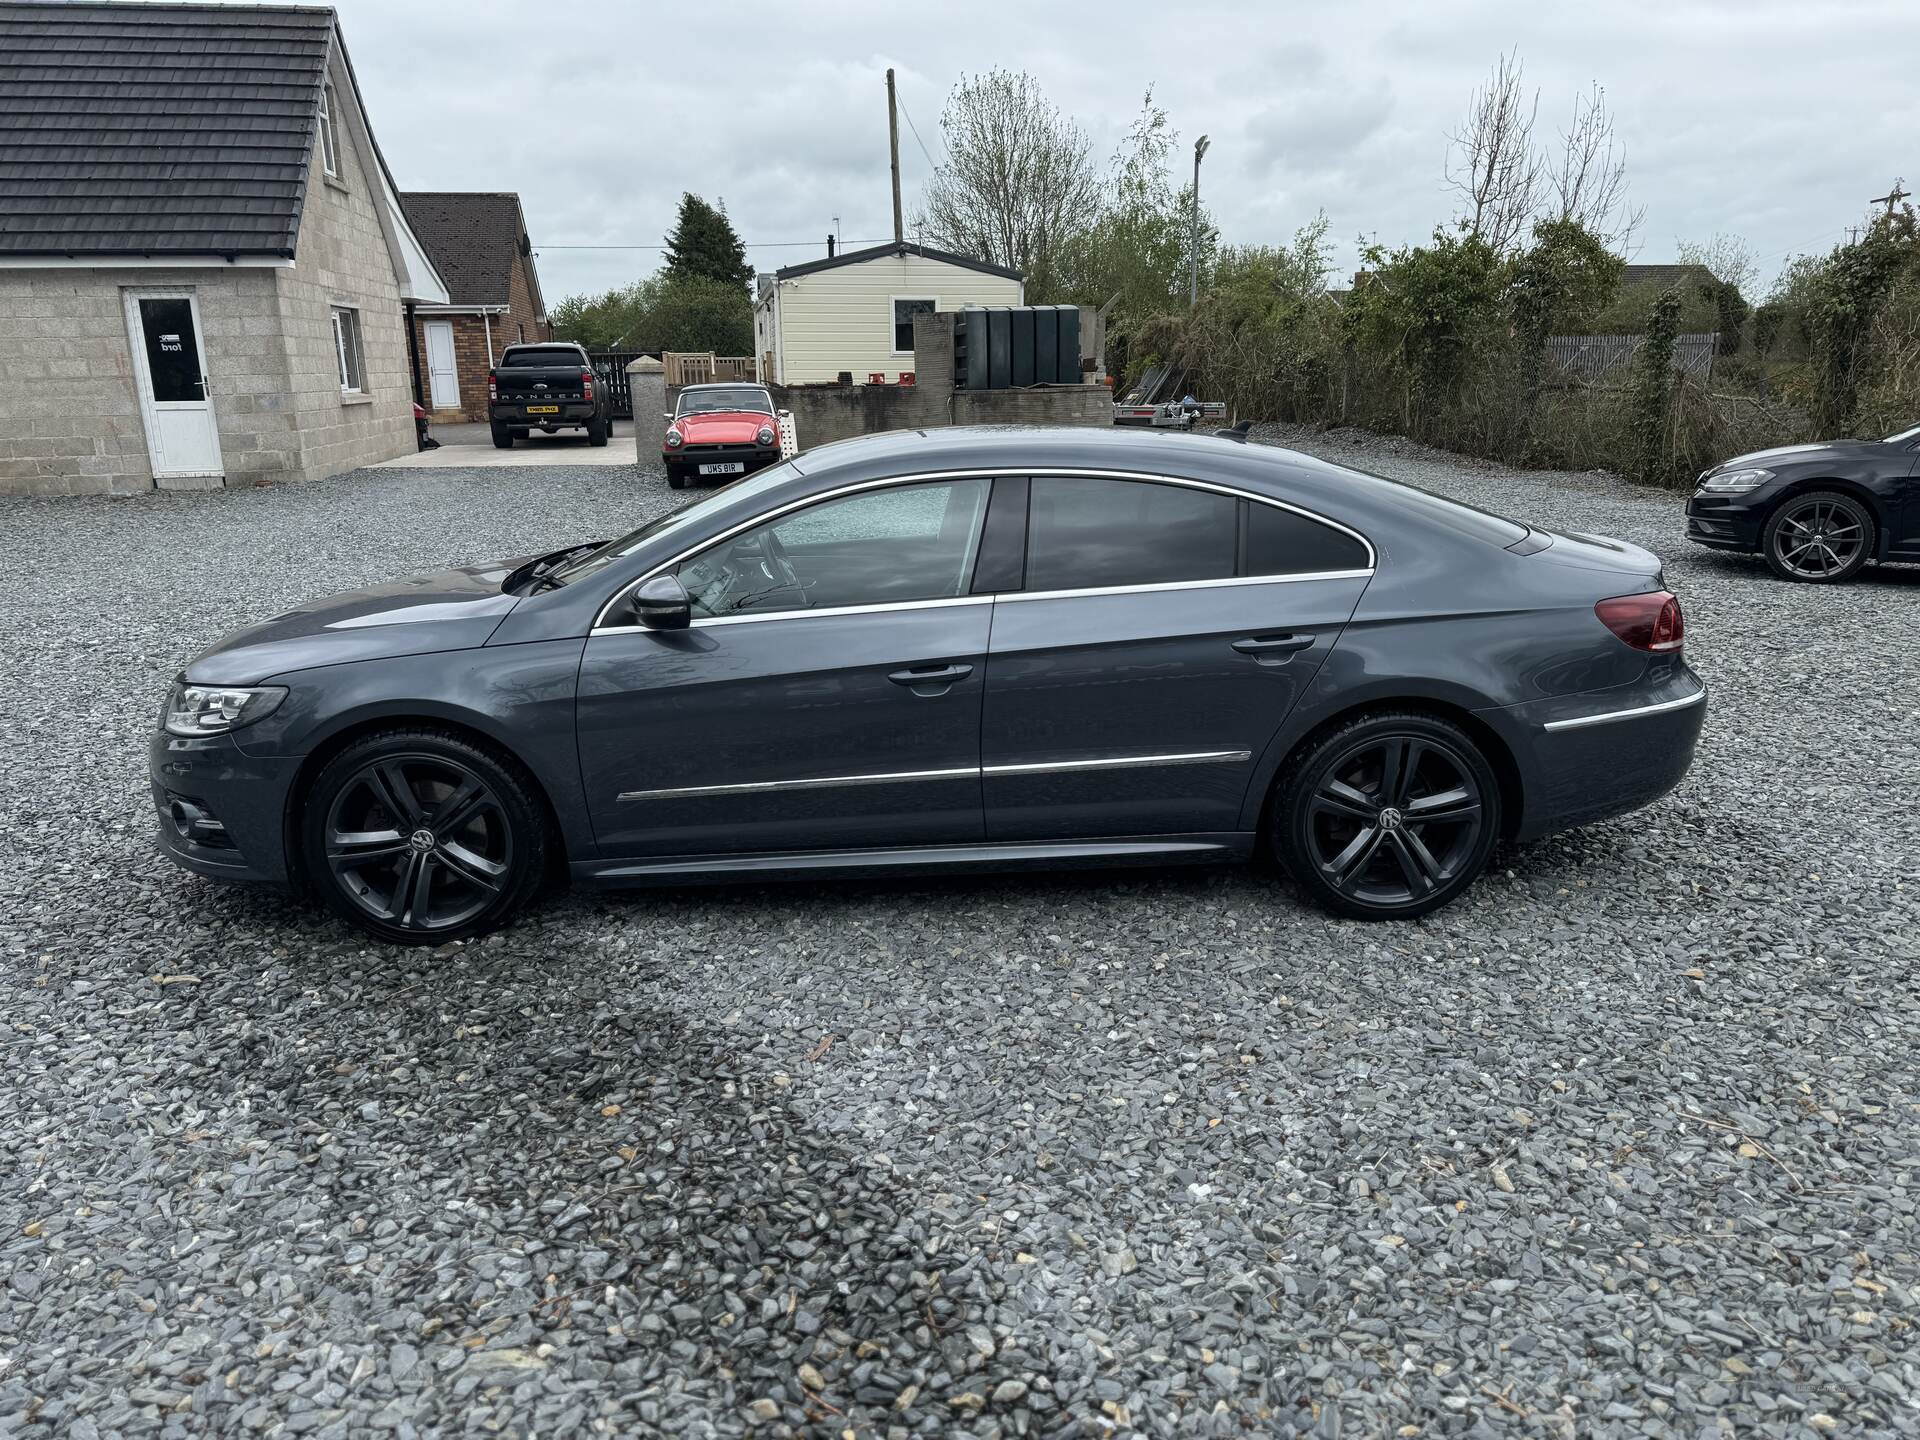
939,675
1272,644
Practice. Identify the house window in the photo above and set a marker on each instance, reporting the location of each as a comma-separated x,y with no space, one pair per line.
329,149
346,344
904,310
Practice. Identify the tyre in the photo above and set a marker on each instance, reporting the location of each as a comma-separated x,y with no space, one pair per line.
1386,817
677,479
418,836
502,437
1820,537
597,432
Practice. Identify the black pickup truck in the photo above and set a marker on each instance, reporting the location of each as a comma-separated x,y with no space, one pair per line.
548,386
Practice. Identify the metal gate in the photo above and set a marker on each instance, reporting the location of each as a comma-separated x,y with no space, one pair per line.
610,368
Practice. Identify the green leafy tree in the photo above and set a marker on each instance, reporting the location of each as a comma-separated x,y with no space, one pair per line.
1653,385
662,312
705,246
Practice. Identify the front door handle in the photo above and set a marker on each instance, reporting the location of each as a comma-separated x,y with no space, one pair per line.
938,675
1273,644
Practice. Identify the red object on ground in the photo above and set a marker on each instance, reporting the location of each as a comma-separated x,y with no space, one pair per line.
418,413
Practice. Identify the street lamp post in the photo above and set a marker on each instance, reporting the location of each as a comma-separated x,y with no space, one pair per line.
1193,257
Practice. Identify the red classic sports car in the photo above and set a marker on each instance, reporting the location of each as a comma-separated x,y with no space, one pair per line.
718,433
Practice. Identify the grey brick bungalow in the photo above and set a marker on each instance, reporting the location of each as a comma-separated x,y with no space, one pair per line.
203,258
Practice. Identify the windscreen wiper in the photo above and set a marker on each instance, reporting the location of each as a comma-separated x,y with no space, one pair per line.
534,572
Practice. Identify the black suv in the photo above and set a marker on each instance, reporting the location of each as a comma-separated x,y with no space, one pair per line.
549,386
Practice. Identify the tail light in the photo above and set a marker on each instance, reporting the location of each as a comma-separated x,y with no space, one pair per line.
586,384
493,385
1650,622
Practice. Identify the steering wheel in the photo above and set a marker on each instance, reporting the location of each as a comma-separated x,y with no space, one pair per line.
777,558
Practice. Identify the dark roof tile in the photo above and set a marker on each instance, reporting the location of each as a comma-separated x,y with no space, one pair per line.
471,238
157,129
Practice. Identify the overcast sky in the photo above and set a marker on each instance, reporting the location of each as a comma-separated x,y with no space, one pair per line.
1773,121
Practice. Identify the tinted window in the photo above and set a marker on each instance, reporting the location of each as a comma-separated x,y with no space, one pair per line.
547,358
1280,542
1083,533
911,542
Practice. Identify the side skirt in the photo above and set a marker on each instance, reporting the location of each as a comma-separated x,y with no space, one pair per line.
1215,848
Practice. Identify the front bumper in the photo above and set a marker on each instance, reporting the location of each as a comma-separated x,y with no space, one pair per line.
1727,522
221,812
1601,753
688,459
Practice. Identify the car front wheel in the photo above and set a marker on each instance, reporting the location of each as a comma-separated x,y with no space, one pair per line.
419,836
1387,817
1820,537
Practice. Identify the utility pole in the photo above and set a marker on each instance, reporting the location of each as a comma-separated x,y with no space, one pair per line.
893,151
1892,197
1193,260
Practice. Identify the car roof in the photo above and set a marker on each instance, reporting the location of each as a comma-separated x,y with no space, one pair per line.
724,385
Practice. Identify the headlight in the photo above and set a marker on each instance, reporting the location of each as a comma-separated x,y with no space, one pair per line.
766,435
211,710
1733,482
674,440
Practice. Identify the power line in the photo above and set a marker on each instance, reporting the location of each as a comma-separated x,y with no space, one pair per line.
931,163
748,244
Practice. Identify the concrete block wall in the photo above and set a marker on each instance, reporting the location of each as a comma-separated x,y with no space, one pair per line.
71,423
343,260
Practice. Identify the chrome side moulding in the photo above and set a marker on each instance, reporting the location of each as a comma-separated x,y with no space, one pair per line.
1580,722
1043,767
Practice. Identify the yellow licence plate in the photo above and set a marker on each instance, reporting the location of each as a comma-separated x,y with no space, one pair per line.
543,409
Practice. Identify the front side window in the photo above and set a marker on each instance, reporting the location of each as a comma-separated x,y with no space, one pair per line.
877,547
903,313
1084,533
329,147
346,344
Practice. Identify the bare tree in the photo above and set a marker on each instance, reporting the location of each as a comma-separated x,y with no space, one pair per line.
1492,162
1587,180
1018,181
1729,258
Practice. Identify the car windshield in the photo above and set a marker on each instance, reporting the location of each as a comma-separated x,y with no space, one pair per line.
531,358
1911,434
673,520
742,397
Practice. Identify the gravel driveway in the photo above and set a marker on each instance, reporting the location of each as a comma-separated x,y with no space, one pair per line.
1625,1143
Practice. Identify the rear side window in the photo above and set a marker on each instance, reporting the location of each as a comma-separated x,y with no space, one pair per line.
1084,533
1280,542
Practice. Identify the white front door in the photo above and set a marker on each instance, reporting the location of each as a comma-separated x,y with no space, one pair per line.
170,371
443,373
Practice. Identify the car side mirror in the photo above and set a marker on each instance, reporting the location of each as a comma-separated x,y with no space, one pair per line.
667,415
662,603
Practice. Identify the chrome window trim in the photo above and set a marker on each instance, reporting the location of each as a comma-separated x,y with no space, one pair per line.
1042,767
1580,722
600,627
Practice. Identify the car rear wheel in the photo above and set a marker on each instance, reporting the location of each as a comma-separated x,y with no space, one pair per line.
1387,817
1820,537
502,438
420,836
597,431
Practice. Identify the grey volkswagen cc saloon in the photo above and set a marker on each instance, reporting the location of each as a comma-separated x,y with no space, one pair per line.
983,648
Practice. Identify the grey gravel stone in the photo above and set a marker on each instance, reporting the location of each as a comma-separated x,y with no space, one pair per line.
327,1187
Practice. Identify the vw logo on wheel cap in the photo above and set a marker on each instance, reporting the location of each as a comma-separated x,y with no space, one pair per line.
421,840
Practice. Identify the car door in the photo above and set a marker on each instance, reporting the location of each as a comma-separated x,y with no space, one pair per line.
825,695
1162,631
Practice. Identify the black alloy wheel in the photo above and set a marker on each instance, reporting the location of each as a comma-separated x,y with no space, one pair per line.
420,837
1819,537
1390,816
